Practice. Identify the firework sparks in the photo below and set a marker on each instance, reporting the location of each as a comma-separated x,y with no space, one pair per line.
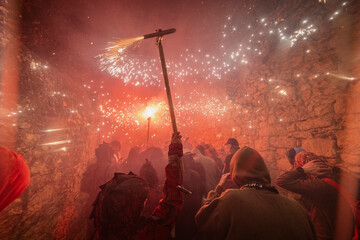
116,55
151,110
241,44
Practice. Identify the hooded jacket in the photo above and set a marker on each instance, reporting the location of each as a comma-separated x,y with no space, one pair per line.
212,172
14,176
329,211
252,212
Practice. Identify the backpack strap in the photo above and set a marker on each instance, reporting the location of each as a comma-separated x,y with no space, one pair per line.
349,198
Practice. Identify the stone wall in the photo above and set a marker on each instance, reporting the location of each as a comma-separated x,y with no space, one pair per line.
297,96
56,134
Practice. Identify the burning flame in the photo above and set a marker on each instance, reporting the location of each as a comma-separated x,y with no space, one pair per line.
122,45
151,110
116,53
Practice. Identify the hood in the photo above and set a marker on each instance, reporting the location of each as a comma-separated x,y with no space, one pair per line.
247,166
304,157
291,154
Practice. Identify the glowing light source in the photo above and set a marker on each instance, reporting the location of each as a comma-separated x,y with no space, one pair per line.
53,130
341,77
56,143
283,92
151,110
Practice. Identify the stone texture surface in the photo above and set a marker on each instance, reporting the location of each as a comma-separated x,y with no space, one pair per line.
52,207
323,147
320,111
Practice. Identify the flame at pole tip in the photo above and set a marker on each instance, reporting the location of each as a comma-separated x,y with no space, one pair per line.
151,110
116,52
121,45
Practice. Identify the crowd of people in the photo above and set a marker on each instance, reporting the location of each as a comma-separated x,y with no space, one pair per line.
198,192
226,194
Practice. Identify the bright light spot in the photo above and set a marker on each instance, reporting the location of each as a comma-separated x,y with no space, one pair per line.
151,110
283,92
56,143
53,130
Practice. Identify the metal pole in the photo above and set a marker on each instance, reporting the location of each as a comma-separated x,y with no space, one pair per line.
167,86
148,132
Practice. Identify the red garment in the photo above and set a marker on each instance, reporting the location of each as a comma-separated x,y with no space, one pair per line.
164,216
304,157
14,176
152,201
321,201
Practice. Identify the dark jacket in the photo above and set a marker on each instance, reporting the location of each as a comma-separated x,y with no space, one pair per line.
117,215
228,160
252,213
322,202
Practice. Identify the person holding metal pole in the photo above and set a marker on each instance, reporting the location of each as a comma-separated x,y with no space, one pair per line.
118,208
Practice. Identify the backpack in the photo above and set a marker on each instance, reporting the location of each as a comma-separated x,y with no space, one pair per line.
118,207
352,201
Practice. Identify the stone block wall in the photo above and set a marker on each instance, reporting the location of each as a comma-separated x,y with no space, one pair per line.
56,134
298,96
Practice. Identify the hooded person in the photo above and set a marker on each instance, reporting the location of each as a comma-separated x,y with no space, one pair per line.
156,156
14,176
212,172
148,173
133,162
194,182
99,172
254,210
211,152
329,211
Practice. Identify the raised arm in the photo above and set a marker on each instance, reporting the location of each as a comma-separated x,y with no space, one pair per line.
304,180
171,203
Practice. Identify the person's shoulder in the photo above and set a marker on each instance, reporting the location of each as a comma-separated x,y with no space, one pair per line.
238,194
291,203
